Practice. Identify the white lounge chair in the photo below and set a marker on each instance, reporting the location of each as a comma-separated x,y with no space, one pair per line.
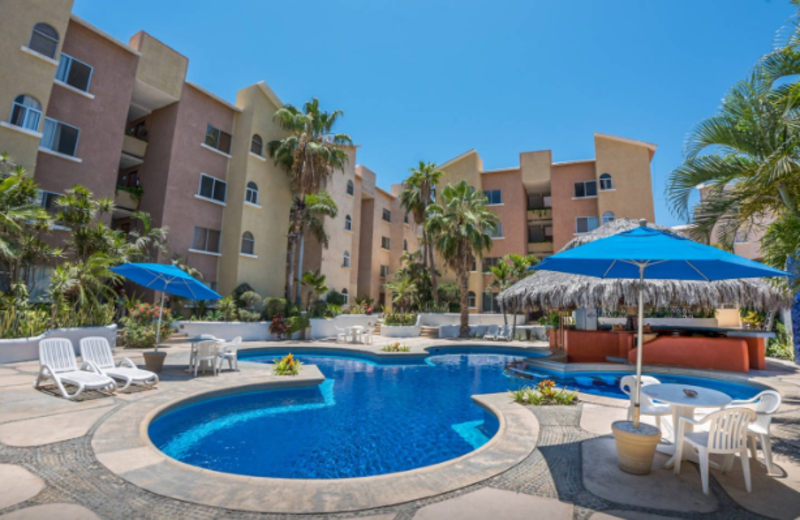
647,406
230,351
491,332
765,405
727,436
57,362
504,333
96,350
341,334
207,352
368,333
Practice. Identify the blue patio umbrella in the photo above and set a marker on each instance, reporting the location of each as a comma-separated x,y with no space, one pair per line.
167,279
647,253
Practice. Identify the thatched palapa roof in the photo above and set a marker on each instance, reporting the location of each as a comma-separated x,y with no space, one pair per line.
553,290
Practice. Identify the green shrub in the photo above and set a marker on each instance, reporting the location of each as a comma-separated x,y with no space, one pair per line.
336,298
239,291
780,346
274,306
298,323
545,393
398,319
395,347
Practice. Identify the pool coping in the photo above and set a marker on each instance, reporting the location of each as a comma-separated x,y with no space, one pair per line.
121,444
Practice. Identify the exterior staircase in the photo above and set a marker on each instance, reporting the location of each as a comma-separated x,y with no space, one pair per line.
429,332
377,330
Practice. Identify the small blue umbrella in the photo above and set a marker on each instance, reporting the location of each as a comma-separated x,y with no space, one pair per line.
647,253
167,279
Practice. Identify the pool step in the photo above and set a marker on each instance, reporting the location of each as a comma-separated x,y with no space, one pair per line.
429,332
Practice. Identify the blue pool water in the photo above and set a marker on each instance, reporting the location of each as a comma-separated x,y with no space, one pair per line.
367,418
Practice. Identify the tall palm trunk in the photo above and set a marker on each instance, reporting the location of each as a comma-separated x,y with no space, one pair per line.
299,216
299,296
514,326
433,277
463,282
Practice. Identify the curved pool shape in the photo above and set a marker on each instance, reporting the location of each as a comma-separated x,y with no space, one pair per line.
369,417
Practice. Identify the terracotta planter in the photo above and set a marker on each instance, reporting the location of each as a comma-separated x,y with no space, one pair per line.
636,448
154,361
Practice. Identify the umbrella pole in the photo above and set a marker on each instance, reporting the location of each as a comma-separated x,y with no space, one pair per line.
160,312
639,326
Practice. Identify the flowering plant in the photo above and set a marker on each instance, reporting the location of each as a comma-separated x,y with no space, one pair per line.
288,366
141,323
279,326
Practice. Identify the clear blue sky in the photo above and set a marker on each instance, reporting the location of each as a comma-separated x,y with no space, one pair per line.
429,80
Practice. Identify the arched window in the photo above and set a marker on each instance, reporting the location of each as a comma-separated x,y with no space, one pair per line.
346,262
346,296
405,245
248,243
608,216
44,40
606,182
257,145
348,223
251,193
350,188
26,112
473,301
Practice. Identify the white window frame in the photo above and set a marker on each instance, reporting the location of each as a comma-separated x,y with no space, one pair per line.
498,232
346,296
348,223
248,193
384,213
350,189
252,140
606,219
405,245
489,199
609,180
207,250
587,225
384,272
388,243
585,183
28,110
47,36
43,143
211,199
472,300
68,67
219,135
251,240
346,260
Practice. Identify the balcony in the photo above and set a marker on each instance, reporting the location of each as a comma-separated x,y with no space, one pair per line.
540,214
133,151
126,200
539,248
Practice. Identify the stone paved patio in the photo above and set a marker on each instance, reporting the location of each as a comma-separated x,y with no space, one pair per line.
48,468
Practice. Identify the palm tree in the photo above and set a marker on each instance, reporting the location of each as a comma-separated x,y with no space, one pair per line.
317,206
503,279
419,191
148,241
84,283
403,291
461,228
314,282
519,270
310,154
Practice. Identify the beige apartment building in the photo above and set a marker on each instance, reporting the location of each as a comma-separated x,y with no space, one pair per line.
120,118
542,205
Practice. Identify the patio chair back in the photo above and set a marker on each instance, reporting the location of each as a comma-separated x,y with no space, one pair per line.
207,336
492,330
236,341
728,429
207,349
58,354
628,386
97,350
765,405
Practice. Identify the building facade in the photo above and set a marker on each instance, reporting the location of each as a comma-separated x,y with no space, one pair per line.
541,205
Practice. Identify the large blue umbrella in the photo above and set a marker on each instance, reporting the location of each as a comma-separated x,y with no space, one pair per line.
649,253
167,279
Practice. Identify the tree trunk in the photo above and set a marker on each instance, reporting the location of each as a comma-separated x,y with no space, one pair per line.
433,276
514,326
299,297
425,247
463,282
299,215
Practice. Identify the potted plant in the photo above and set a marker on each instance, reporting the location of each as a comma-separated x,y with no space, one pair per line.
636,447
140,327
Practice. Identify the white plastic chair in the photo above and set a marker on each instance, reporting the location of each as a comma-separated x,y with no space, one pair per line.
341,334
727,435
504,333
646,406
491,333
57,362
230,351
765,405
368,333
97,350
207,352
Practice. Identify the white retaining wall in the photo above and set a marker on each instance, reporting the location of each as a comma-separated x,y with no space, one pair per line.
322,328
454,318
27,349
538,332
665,322
402,331
227,330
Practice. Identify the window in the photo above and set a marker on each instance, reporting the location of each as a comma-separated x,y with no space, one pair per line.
490,262
257,145
490,303
405,218
48,201
405,245
586,224
346,296
384,271
585,189
346,262
206,240
350,188
248,243
213,188
473,301
498,232
608,216
387,215
605,182
386,243
494,197
382,299
60,137
129,180
251,193
216,138
44,40
74,72
348,223
26,112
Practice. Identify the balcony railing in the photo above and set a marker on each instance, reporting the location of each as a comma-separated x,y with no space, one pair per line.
540,214
540,247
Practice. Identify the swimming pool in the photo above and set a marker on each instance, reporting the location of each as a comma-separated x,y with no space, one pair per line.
369,417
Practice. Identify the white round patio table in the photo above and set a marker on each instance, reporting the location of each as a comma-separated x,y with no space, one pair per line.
355,332
684,406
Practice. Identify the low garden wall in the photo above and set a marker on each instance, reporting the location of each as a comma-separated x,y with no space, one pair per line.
227,330
326,328
454,318
537,332
404,331
27,349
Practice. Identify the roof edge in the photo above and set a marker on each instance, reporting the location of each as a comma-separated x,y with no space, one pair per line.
458,158
103,34
214,96
627,140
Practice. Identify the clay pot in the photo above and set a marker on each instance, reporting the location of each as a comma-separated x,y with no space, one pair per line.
636,448
154,361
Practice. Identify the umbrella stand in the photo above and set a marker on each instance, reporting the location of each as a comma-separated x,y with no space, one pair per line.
161,311
639,325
